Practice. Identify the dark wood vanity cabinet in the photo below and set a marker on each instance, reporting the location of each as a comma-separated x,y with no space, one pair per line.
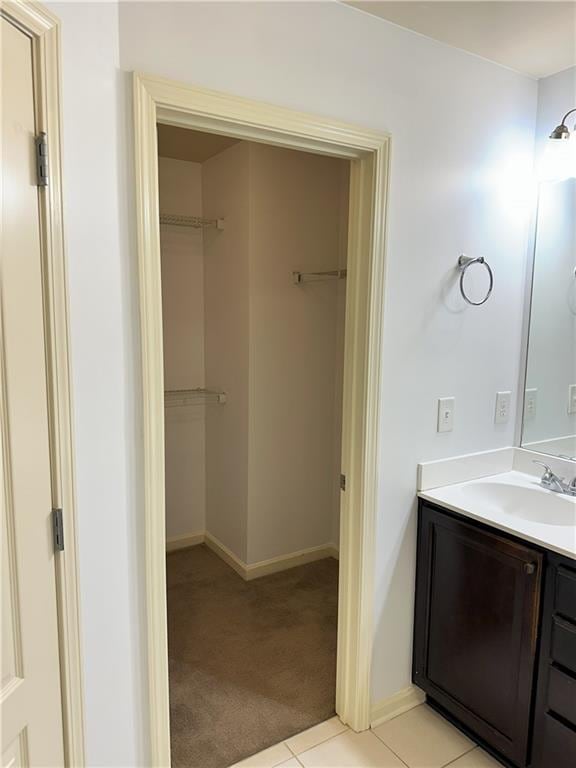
554,743
495,638
476,629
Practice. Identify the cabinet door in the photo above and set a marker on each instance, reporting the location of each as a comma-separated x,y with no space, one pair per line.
476,628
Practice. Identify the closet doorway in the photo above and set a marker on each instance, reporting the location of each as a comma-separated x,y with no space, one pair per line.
253,253
168,103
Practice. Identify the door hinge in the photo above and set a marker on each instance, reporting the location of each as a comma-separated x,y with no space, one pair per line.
58,530
342,482
41,142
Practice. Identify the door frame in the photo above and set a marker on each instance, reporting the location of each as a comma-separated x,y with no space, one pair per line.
160,100
43,29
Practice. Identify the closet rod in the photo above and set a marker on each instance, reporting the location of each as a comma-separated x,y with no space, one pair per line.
313,277
197,222
174,398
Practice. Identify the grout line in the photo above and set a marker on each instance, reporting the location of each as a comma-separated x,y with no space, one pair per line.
390,748
323,741
289,750
462,755
288,745
446,765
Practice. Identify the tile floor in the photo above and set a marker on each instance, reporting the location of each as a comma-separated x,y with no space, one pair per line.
419,738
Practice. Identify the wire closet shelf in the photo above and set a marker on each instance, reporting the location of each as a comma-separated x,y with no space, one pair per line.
196,222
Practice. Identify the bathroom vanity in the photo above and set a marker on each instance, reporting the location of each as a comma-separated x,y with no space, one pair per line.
495,616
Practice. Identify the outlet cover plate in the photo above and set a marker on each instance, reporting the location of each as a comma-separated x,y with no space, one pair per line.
503,402
530,403
572,398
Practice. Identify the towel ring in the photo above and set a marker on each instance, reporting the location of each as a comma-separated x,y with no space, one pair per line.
463,263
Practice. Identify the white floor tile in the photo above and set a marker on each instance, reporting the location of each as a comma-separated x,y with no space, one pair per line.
423,739
292,763
476,759
350,750
268,758
316,735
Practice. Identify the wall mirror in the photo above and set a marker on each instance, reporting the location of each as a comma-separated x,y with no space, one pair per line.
549,417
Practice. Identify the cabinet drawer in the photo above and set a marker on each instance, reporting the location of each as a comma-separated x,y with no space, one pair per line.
558,747
562,695
565,598
564,643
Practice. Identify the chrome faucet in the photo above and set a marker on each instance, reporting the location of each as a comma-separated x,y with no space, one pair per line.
552,482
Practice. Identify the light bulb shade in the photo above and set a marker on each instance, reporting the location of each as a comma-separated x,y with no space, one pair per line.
560,132
558,159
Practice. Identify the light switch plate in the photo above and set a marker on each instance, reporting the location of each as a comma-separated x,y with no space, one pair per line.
503,400
445,414
572,398
530,403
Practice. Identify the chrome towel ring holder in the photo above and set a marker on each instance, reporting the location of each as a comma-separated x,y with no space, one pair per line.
463,263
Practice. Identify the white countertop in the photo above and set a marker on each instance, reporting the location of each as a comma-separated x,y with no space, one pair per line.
516,503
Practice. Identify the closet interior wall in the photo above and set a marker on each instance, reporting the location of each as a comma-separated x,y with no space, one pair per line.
260,473
180,193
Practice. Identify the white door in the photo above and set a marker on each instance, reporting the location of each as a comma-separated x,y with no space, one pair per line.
30,696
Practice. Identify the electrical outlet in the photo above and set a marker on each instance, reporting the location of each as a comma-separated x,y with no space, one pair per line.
503,400
530,403
572,398
445,414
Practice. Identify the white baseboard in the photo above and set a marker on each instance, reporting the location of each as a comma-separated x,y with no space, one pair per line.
225,554
274,564
183,542
284,562
395,705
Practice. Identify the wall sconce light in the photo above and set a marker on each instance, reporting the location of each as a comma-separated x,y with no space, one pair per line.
562,131
559,159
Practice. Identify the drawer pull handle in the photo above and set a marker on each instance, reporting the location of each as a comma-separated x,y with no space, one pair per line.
529,569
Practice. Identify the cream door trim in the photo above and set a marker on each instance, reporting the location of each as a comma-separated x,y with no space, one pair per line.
156,99
43,29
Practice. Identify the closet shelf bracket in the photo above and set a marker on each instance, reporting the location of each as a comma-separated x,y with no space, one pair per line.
298,278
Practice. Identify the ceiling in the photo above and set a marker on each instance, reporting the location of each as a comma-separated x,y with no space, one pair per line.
193,146
535,38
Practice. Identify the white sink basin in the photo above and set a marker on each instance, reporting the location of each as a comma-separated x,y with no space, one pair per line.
528,502
516,503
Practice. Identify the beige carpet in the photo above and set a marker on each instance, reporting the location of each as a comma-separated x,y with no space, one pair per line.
251,663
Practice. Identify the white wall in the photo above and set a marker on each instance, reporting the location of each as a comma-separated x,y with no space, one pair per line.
225,192
269,458
274,348
556,95
462,133
296,364
105,349
180,186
